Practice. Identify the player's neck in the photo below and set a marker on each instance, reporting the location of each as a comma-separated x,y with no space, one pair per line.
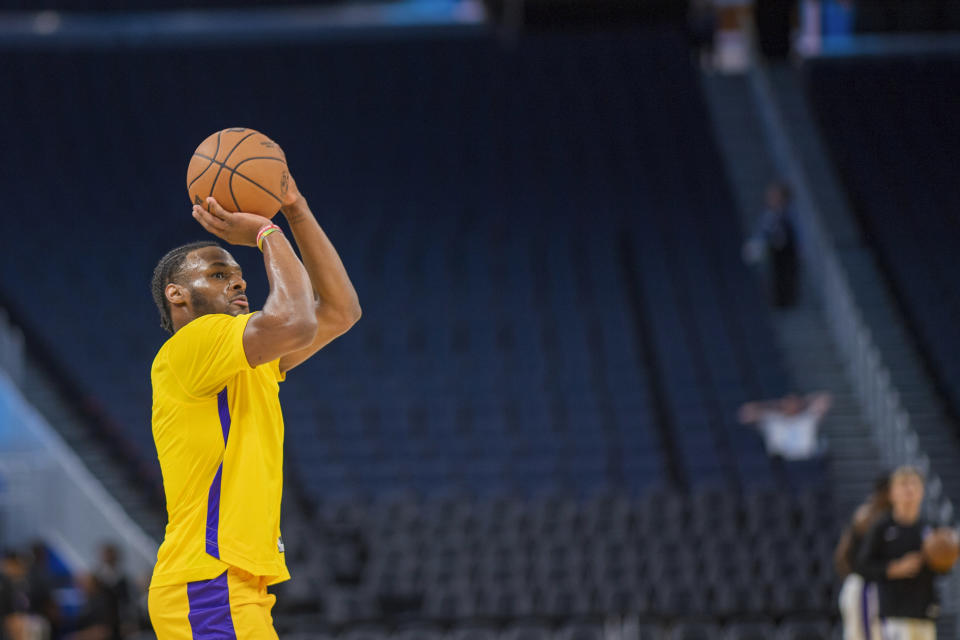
905,518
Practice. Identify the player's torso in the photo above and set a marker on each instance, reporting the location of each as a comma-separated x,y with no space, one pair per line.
910,597
899,539
221,458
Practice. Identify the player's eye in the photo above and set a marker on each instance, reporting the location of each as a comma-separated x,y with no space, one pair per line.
220,274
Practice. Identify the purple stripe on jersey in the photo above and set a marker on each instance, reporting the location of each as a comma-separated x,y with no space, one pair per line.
209,615
213,515
865,609
224,409
213,497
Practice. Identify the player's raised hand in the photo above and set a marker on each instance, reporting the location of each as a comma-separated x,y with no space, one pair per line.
235,228
292,194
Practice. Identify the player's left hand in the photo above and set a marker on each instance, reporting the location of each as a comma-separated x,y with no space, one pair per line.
292,194
237,228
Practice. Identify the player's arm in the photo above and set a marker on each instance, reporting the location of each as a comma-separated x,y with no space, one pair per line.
841,562
860,524
819,403
286,323
870,563
863,519
874,567
335,306
753,412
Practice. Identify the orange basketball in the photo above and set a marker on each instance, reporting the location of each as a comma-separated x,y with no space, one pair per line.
941,548
242,168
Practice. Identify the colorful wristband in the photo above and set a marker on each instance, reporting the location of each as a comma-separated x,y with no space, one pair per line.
264,232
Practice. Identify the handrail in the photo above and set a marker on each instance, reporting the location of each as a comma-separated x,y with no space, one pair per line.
11,349
48,492
897,441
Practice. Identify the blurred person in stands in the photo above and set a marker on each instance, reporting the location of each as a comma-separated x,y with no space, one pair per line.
217,422
116,588
891,556
858,599
18,622
13,602
40,584
95,621
789,425
776,241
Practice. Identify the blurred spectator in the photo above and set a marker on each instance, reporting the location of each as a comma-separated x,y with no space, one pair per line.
858,599
891,555
39,585
789,424
96,619
18,622
10,599
776,240
116,589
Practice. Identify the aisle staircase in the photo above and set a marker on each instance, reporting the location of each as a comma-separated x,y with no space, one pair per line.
38,388
935,429
802,335
807,344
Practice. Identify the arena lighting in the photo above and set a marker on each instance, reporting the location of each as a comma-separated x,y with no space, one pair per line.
305,23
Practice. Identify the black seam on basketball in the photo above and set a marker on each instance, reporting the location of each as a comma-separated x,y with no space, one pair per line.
233,170
213,185
256,184
200,155
236,170
259,158
232,195
211,160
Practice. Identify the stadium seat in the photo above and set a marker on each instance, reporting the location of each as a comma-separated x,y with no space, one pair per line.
526,632
580,632
749,631
694,631
364,633
418,632
804,630
472,633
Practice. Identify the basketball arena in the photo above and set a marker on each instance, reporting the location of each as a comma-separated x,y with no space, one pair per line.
658,336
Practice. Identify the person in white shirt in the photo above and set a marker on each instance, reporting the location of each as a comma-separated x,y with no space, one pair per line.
789,424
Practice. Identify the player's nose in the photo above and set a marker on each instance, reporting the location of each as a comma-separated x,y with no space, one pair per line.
239,284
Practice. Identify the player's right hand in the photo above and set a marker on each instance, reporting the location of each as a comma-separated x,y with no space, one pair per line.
235,228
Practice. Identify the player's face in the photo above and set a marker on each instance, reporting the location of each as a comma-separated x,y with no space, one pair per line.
215,283
792,404
906,495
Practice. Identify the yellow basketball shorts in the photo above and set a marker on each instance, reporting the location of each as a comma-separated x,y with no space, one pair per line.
233,606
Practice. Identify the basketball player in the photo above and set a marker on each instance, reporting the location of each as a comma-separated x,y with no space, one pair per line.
858,600
216,414
891,556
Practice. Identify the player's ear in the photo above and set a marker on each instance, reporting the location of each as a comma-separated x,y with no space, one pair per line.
176,295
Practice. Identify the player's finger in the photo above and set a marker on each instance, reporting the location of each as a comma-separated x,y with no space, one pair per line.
214,207
195,212
209,221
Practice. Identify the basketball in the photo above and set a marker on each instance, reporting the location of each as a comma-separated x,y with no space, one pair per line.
941,549
242,168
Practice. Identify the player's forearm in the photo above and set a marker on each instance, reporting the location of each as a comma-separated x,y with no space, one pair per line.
327,274
841,561
290,301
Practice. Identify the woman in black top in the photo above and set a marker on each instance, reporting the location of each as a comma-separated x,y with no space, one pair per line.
858,598
891,555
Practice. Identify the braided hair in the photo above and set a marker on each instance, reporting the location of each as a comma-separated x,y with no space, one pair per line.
167,271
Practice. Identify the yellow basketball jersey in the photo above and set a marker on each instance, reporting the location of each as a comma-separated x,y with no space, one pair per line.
218,430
